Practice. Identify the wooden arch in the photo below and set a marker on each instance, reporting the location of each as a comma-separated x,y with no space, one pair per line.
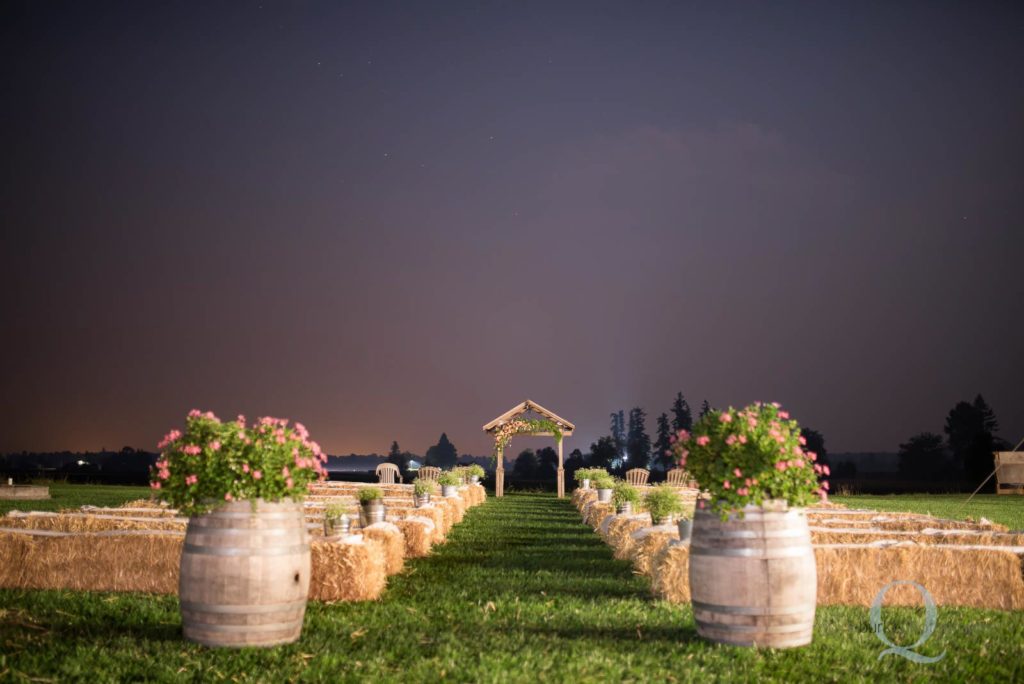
565,428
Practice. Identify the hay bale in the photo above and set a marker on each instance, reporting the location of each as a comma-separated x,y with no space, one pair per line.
982,577
670,573
393,541
82,522
419,535
856,535
138,511
351,568
649,542
595,512
435,513
622,539
125,560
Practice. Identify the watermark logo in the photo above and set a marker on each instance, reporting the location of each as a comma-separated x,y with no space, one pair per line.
930,616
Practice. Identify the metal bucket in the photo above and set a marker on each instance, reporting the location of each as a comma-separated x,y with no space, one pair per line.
421,500
667,520
685,529
449,490
604,495
474,479
370,513
337,527
624,508
585,484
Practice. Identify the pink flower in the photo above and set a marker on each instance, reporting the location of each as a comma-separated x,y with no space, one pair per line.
154,485
743,439
228,497
215,445
164,473
742,491
825,469
725,417
245,467
171,436
191,480
725,484
683,435
192,450
241,420
195,413
748,482
776,404
753,481
285,472
703,440
811,455
289,483
781,466
730,440
257,475
783,415
700,503
280,439
737,472
803,441
824,485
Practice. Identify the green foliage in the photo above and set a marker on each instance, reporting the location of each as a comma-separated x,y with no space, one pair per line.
421,486
212,462
538,600
747,457
663,501
335,511
602,480
368,494
449,479
589,474
475,470
623,493
638,443
443,454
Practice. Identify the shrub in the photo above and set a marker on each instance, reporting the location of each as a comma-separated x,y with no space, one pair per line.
588,473
663,501
211,462
750,456
602,480
625,493
421,486
368,494
449,478
334,512
475,470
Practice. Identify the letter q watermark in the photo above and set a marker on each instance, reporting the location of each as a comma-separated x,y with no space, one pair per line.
907,652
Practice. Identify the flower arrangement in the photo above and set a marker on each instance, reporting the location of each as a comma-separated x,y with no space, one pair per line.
213,461
422,487
333,513
370,494
504,434
749,456
623,493
475,470
663,501
449,479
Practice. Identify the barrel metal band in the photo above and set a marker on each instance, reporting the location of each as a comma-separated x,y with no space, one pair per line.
242,610
752,610
246,629
758,534
767,554
254,551
748,629
272,532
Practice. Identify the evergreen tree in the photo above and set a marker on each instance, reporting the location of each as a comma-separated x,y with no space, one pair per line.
682,417
618,428
923,456
816,443
705,408
638,443
603,452
547,463
399,458
525,467
443,454
970,429
662,445
574,463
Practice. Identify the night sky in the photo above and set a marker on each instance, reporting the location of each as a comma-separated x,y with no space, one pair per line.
388,220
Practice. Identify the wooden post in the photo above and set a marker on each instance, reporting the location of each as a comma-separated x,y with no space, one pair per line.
561,472
499,477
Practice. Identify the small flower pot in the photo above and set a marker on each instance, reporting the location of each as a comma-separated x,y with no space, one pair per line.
474,479
624,508
604,495
372,512
685,529
421,500
337,527
585,484
667,520
449,490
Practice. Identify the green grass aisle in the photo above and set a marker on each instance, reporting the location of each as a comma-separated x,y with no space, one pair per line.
522,591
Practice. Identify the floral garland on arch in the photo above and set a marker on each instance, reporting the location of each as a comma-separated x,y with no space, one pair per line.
504,434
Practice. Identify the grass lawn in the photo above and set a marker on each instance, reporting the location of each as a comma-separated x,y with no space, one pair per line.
522,592
63,495
1008,510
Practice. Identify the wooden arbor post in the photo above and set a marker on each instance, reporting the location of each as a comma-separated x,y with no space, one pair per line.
565,427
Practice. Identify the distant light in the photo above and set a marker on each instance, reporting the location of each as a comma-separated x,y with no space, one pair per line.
81,463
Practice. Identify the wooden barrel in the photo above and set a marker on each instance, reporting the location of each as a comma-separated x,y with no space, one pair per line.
753,579
245,575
